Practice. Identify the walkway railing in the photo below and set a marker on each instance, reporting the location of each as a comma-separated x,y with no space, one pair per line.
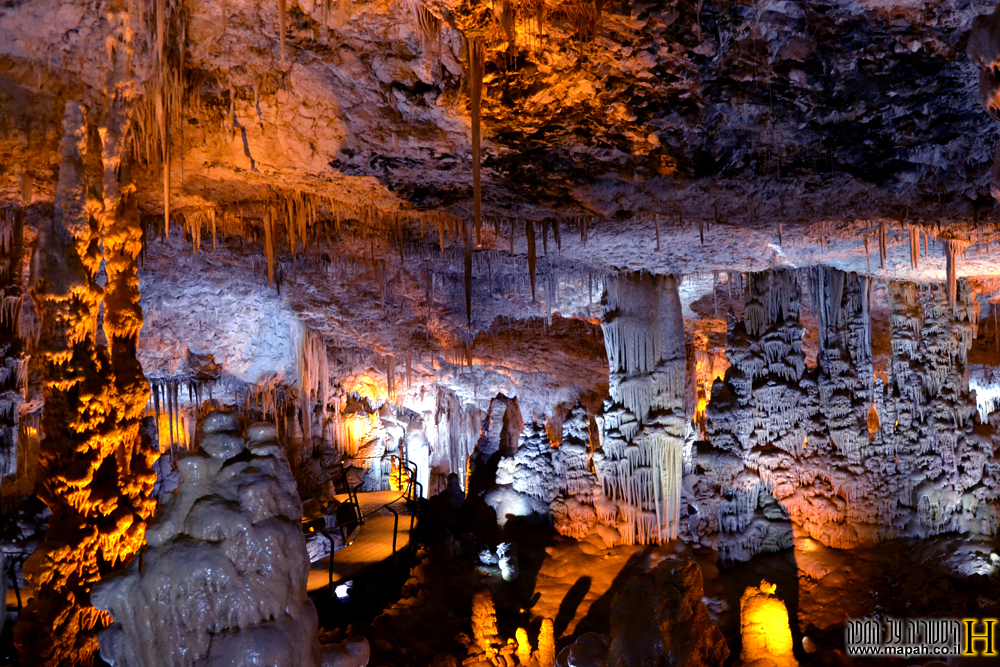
411,494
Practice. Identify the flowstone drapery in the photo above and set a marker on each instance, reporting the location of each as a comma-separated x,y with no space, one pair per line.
642,425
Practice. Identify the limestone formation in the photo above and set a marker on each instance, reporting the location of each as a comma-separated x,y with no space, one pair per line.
767,637
642,425
524,481
96,476
807,439
223,576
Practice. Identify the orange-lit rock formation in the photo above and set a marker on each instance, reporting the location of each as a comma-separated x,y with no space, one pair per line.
96,475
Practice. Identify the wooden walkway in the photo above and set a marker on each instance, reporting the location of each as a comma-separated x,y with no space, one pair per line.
371,544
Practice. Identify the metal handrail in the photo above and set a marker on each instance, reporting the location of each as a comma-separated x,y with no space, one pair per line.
395,530
412,495
352,495
414,489
333,550
412,486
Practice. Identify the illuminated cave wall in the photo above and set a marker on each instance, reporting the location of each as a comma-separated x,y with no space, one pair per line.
850,458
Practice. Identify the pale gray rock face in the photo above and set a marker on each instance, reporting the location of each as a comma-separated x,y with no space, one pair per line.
222,579
524,480
861,446
851,459
573,509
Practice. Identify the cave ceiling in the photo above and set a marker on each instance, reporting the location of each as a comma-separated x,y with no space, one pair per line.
687,137
862,106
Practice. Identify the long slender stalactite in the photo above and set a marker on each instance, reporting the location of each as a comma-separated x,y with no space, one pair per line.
952,247
476,51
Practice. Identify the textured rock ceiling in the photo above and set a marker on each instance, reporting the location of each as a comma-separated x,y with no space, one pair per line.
688,137
858,105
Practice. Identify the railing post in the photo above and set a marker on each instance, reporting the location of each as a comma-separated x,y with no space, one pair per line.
333,549
395,529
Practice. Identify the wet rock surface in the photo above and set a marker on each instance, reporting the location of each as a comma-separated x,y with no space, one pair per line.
222,579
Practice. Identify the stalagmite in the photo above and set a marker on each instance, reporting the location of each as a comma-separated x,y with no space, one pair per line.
546,654
93,526
767,638
523,646
223,574
484,622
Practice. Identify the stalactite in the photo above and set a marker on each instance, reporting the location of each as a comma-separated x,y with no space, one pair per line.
642,426
953,246
529,228
883,244
914,247
269,243
476,52
282,13
313,369
430,25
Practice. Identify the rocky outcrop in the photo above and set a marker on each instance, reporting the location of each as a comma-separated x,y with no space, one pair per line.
657,619
574,506
525,481
499,437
